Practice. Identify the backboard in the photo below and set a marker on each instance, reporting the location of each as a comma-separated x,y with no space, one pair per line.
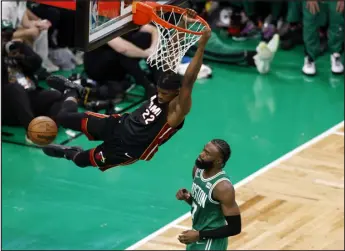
101,21
98,21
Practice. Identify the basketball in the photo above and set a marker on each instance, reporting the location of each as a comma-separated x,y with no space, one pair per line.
42,130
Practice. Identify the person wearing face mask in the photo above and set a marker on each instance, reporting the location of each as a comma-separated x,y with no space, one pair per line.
215,213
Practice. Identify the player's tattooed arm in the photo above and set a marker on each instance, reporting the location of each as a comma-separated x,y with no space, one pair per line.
184,101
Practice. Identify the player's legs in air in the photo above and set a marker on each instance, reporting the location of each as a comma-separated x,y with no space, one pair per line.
95,126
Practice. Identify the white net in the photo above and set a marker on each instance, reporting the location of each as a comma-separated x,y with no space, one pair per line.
173,44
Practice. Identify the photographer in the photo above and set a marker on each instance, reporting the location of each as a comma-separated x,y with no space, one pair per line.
23,99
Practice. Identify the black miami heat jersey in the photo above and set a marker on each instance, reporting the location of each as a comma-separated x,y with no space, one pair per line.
146,128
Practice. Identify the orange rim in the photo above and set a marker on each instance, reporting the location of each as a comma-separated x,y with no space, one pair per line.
146,12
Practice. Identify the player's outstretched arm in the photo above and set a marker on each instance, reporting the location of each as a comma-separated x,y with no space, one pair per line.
184,101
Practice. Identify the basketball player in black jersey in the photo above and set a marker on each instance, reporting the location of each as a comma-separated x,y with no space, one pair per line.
133,136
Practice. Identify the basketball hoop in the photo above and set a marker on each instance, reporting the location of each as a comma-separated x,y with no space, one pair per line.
176,32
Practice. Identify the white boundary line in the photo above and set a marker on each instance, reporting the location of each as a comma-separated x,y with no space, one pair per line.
181,227
242,182
339,133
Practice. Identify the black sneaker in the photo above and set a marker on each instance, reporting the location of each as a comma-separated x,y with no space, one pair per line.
98,105
70,93
62,84
59,151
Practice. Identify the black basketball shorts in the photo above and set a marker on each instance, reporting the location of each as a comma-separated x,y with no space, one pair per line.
107,128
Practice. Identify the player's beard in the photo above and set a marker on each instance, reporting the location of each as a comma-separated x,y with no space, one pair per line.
202,164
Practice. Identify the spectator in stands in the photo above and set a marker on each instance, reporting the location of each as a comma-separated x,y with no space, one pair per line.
60,34
110,63
291,32
230,16
250,18
257,12
24,99
31,29
313,13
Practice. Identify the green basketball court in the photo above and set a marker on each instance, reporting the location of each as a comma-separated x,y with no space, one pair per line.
51,204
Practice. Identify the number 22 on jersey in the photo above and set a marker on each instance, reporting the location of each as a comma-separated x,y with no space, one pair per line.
148,116
151,113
